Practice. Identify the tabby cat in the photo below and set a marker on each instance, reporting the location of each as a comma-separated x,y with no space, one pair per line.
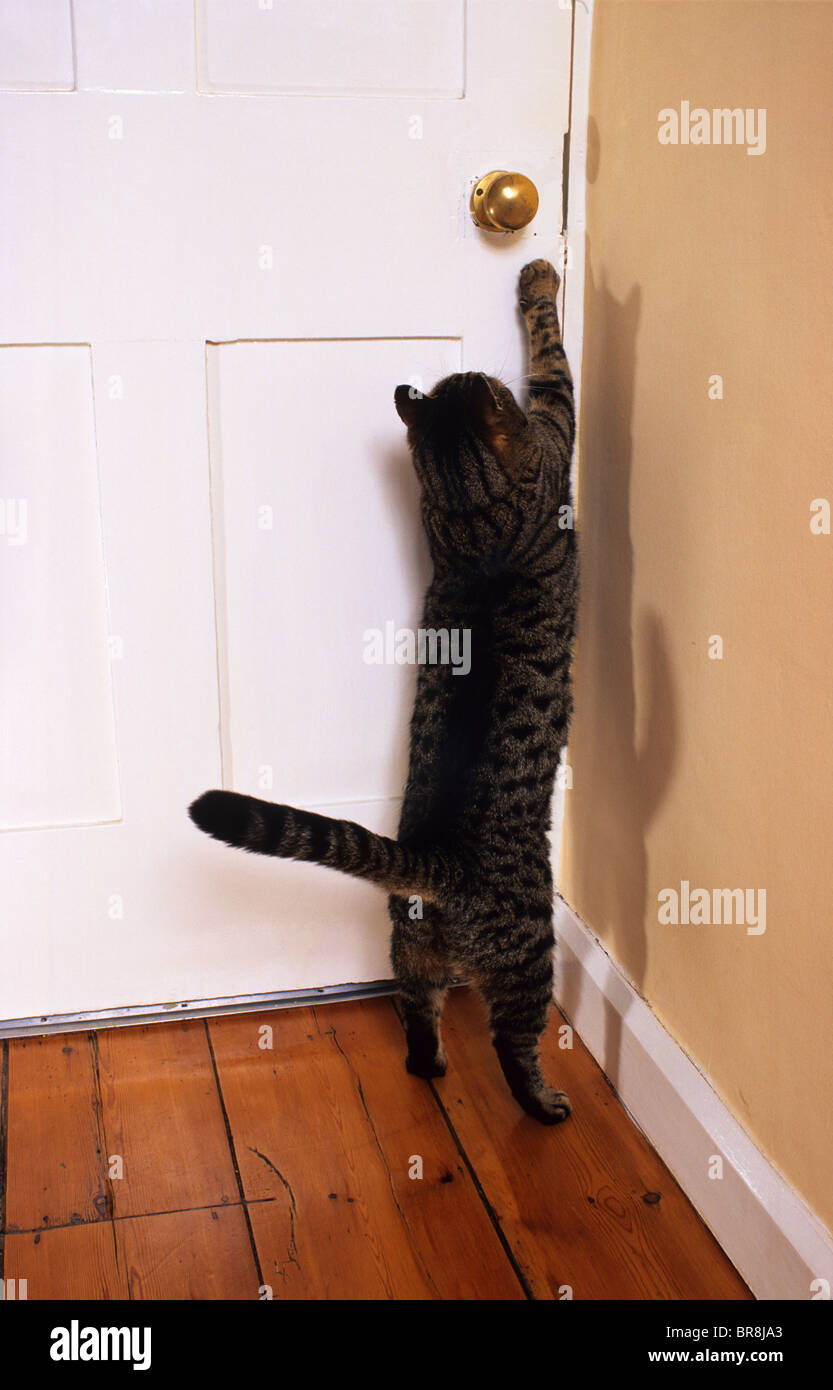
473,846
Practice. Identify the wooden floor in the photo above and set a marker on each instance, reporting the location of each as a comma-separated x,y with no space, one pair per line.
192,1160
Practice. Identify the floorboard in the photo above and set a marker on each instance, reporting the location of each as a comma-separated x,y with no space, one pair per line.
67,1262
163,1119
189,1255
57,1173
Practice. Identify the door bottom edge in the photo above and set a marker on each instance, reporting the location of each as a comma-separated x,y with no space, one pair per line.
137,1014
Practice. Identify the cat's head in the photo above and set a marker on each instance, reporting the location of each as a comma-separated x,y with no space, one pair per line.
475,457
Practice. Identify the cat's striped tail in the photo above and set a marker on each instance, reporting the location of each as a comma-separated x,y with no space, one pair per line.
264,827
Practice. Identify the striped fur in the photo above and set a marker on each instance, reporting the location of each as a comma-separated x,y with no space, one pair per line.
472,846
263,827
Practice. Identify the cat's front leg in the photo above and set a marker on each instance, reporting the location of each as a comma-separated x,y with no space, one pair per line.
550,380
538,286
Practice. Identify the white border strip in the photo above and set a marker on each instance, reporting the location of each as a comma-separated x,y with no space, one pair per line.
572,275
774,1240
140,1014
573,272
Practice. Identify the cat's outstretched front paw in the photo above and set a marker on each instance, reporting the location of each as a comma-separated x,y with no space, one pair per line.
538,280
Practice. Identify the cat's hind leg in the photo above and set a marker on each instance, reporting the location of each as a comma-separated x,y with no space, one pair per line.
519,997
422,1004
423,977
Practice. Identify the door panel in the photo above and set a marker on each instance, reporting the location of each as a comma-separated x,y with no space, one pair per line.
339,47
58,750
125,46
255,254
313,515
36,51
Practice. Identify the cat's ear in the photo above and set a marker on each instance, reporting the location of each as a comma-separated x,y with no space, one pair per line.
498,421
411,406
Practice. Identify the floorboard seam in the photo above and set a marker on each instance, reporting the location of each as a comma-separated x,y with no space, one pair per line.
411,1239
137,1216
101,1129
478,1187
230,1138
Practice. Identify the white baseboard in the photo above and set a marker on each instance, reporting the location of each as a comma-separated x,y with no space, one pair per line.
771,1236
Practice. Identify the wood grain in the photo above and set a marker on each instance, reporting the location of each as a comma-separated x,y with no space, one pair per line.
189,1255
68,1263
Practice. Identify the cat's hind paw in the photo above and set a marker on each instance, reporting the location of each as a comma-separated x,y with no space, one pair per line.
549,1107
426,1067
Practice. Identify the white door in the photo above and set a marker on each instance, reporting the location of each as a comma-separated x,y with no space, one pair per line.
228,231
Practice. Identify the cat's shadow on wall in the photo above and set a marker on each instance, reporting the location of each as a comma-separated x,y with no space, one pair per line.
624,735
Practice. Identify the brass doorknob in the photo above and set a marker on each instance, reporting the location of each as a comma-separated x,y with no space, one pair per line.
504,202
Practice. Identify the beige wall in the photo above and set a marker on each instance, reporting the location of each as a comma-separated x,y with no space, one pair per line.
694,519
